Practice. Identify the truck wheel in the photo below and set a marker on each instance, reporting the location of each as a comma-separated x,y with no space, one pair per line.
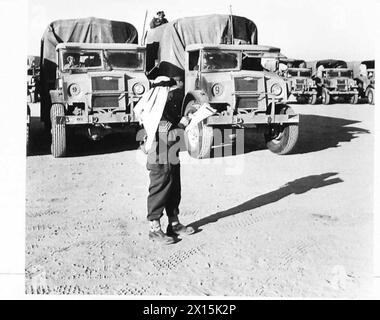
300,100
58,131
199,139
282,138
325,96
354,99
370,94
312,99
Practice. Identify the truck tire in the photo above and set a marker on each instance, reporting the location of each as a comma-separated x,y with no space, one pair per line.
282,138
370,94
58,131
325,96
300,100
354,99
312,99
198,140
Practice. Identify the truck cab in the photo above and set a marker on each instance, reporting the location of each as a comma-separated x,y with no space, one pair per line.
97,86
367,80
298,78
240,82
336,80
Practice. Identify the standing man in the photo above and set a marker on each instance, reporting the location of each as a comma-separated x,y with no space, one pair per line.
159,20
164,167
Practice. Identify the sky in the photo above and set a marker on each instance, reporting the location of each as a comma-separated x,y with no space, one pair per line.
304,29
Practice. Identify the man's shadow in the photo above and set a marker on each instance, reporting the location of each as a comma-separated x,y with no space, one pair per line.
297,186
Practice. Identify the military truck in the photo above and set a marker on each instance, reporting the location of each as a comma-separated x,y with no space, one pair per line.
367,80
299,81
91,86
228,70
335,80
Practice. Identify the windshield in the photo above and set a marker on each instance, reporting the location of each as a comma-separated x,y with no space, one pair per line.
332,73
346,73
305,73
293,73
216,60
81,60
133,60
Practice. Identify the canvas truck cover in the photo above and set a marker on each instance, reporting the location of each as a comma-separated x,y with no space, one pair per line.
167,42
85,30
331,63
370,64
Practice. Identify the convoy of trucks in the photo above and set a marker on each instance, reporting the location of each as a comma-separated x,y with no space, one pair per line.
92,72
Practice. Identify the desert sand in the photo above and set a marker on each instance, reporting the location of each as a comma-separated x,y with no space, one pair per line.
297,225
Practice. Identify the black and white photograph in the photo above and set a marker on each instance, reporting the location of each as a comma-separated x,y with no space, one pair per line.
199,149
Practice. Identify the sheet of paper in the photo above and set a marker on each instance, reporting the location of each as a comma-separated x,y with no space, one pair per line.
202,113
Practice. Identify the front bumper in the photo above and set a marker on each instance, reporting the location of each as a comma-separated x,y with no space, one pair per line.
304,92
249,120
99,118
337,92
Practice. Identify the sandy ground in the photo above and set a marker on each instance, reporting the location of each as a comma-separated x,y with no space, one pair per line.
282,226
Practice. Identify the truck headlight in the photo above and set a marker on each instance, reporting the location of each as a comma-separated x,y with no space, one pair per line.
74,89
217,89
276,89
138,89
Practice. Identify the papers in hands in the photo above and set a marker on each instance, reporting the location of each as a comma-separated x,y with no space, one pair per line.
202,113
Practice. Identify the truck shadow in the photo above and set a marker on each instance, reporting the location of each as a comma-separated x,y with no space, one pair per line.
316,133
78,145
297,186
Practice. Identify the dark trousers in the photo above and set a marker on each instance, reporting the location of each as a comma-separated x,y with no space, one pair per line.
165,181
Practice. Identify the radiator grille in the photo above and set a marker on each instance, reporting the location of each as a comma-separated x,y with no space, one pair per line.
246,84
105,102
247,102
300,84
105,83
341,84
